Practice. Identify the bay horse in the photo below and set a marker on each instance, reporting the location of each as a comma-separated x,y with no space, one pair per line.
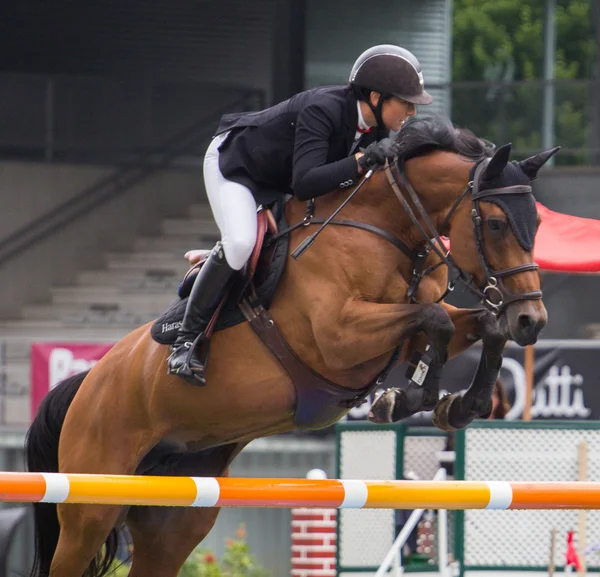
359,301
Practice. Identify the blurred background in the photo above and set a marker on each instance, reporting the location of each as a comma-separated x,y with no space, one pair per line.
106,109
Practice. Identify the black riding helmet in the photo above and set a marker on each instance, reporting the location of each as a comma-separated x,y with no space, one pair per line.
391,71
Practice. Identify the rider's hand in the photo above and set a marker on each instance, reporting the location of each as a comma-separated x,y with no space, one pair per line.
376,153
358,156
195,256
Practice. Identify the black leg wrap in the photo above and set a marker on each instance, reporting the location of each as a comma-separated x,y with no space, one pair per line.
397,404
458,410
416,398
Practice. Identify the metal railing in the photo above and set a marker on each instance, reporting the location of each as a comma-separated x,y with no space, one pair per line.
101,119
393,559
513,112
13,392
98,118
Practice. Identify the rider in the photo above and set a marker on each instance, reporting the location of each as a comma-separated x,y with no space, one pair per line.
306,146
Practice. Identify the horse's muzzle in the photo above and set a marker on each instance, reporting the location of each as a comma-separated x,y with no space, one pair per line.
523,321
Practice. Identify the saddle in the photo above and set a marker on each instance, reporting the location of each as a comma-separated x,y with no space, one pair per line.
259,278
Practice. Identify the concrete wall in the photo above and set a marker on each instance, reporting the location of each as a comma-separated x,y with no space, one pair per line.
333,42
28,190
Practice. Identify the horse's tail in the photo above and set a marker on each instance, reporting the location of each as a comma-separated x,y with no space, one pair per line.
41,450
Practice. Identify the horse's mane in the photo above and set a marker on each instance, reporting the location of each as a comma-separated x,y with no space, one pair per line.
419,136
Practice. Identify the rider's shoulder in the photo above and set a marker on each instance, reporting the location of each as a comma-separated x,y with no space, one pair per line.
326,98
334,93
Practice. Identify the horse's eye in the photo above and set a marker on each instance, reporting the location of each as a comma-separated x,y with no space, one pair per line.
496,225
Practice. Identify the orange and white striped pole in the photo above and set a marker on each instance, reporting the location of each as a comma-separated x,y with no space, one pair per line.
289,493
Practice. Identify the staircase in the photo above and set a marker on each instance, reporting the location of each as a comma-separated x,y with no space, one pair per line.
131,289
134,287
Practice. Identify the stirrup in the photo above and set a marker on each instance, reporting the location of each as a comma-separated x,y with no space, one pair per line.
195,375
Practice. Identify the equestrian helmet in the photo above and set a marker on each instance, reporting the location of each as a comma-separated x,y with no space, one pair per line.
393,70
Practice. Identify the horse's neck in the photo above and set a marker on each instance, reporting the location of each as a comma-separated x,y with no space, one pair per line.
379,206
439,180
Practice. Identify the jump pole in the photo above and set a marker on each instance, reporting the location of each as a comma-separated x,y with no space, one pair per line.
291,493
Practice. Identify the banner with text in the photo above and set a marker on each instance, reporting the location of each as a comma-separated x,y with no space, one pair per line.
566,381
53,362
567,377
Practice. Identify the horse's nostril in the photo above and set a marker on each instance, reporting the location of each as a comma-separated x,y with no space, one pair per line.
526,323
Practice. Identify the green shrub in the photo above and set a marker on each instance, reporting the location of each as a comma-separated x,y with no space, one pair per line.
237,561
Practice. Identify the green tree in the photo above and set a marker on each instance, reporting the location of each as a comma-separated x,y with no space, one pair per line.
502,42
496,39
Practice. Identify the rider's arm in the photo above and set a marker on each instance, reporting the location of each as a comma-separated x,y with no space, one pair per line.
312,176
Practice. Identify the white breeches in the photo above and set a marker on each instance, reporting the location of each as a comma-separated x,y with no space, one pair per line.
233,207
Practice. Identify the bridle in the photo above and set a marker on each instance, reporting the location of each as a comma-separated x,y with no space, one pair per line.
494,295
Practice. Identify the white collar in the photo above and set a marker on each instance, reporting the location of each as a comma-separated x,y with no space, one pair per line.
361,119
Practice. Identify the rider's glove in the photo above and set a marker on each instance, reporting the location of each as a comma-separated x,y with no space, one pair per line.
376,153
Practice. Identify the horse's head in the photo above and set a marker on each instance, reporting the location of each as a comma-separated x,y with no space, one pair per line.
492,233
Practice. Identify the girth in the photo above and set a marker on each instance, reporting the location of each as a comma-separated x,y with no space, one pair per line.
319,402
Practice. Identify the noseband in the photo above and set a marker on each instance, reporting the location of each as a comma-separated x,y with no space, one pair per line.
493,294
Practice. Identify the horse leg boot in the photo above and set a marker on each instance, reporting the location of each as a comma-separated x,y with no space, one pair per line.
457,410
209,288
422,393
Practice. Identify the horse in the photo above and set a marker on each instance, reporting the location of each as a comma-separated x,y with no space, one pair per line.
368,294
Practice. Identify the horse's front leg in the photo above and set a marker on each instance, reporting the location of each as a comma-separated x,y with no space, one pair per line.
395,404
361,332
457,410
436,330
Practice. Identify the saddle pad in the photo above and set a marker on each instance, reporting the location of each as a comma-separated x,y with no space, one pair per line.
267,277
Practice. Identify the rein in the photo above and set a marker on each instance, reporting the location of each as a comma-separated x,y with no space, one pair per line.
493,283
493,289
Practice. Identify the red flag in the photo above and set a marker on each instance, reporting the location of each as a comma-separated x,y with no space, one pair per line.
565,243
572,557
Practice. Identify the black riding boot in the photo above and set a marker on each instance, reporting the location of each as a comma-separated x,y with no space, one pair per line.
209,288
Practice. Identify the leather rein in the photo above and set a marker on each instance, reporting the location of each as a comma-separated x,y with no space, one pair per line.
494,295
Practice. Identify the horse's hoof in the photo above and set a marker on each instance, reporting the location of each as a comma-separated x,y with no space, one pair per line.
383,407
406,407
441,414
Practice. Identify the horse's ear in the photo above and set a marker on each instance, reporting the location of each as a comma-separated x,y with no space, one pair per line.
497,163
530,166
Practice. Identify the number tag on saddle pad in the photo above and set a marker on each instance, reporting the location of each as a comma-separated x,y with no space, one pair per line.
418,368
